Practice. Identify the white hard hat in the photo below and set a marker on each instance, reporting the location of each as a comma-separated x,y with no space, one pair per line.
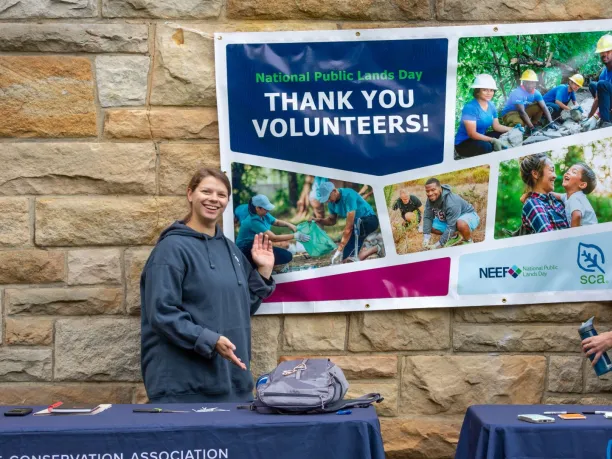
484,81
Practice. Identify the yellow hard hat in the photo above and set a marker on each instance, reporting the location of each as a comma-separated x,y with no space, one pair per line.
529,75
604,44
578,79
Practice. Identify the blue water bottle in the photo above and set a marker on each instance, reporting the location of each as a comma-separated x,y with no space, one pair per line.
262,380
604,364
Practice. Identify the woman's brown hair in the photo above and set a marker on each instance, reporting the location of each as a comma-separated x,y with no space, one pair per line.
200,175
530,164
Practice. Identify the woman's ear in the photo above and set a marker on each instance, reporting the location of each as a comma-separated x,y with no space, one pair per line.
189,193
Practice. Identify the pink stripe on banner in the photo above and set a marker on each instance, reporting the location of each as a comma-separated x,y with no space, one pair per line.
425,278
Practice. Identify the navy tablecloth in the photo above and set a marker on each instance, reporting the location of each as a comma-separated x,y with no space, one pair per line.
118,433
494,432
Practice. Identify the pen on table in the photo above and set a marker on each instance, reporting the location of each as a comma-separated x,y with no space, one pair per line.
55,405
596,412
555,412
156,410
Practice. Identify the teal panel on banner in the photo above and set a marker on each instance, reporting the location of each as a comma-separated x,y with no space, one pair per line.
580,263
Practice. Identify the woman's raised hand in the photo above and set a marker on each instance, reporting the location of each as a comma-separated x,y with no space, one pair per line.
262,254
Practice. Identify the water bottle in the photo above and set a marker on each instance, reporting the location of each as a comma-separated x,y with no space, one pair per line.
604,364
262,380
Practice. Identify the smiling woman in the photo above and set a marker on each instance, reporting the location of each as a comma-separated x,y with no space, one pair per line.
542,212
198,292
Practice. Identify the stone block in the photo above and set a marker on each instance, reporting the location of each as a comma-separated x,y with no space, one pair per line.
593,383
450,384
122,80
163,9
421,437
14,222
359,366
265,337
74,301
162,123
91,266
315,332
24,9
74,38
29,332
558,312
404,330
178,162
140,395
184,64
97,350
31,267
77,168
46,96
515,338
104,220
521,10
135,260
385,10
579,399
17,365
41,394
565,373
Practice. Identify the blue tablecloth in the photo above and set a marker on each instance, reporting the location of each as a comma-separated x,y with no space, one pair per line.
118,433
494,432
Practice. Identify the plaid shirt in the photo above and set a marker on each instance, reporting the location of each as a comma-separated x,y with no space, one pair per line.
542,213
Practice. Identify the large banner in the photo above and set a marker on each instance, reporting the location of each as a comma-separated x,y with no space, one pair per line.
416,168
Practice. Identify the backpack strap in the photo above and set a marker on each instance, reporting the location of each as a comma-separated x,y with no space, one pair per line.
361,402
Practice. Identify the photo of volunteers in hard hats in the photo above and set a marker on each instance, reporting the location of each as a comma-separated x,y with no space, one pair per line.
519,90
312,221
439,212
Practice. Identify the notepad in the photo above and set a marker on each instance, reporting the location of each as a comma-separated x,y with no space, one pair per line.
572,416
71,409
53,412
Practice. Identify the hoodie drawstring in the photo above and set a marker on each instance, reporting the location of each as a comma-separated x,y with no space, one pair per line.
231,255
212,265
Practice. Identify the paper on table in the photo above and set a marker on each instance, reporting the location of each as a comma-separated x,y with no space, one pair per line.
101,408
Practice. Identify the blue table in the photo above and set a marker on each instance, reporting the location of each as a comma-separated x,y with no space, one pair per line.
118,433
494,432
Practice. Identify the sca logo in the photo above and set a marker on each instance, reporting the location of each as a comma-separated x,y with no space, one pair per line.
591,259
499,272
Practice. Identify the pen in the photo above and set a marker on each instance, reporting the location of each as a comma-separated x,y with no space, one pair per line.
156,410
55,405
555,412
596,412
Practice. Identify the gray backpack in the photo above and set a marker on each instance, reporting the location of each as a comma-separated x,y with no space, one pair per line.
306,386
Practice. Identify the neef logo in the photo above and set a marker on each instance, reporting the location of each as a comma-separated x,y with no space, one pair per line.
494,272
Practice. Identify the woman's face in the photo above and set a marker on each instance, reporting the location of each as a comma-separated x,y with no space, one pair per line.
261,211
486,94
209,199
546,181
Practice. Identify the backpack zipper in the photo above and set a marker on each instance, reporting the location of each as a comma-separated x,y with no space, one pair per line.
279,394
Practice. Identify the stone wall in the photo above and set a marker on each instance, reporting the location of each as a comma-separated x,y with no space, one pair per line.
106,106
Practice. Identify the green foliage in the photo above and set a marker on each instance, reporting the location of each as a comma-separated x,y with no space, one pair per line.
244,177
478,174
509,191
388,195
554,57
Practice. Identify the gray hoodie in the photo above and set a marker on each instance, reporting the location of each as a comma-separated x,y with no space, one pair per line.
447,208
195,288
